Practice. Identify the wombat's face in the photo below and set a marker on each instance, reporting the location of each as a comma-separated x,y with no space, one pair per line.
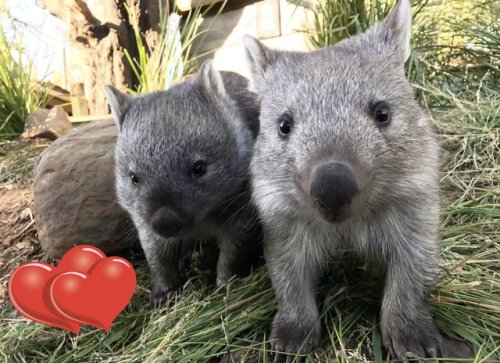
339,127
178,157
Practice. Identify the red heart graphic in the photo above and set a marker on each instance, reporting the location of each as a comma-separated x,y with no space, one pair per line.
26,291
97,298
81,259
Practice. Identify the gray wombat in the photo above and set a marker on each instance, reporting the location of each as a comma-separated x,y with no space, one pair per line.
346,158
182,173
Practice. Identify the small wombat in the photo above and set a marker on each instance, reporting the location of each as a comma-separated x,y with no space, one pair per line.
346,158
182,173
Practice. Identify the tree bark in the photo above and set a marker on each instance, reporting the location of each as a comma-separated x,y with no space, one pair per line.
98,32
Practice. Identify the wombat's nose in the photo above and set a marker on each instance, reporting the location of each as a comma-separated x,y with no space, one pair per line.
166,222
333,186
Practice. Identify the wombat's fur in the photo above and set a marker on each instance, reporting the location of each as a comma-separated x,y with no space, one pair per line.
346,158
182,172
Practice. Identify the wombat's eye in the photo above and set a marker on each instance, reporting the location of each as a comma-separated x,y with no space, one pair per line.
134,178
285,125
381,113
199,168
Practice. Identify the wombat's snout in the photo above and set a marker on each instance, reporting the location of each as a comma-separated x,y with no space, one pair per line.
166,222
335,188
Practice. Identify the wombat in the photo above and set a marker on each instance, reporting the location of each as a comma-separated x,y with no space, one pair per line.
345,157
182,173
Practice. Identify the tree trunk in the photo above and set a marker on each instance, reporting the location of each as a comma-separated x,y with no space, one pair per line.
98,32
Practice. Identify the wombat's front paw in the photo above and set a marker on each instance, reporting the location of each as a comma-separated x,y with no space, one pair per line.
223,275
222,279
419,337
291,341
160,295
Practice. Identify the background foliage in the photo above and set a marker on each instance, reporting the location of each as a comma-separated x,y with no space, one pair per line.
167,57
20,92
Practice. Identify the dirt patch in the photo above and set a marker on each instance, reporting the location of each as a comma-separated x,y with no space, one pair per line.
18,239
16,218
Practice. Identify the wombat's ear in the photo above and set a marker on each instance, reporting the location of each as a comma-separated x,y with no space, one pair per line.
119,103
395,29
259,57
211,79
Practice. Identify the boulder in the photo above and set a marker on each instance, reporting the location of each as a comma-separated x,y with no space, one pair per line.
49,124
74,195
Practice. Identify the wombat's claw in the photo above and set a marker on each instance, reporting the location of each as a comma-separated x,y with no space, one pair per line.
220,282
424,346
293,343
185,267
222,279
160,296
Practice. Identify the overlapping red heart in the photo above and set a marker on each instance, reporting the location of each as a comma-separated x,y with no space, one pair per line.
85,288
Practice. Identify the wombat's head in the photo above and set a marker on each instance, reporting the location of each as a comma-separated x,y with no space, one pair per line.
180,153
340,130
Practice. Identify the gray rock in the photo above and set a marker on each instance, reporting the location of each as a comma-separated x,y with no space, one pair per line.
49,124
74,196
34,122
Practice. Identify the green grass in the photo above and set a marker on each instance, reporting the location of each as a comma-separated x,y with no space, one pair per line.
20,93
18,161
453,42
334,20
167,57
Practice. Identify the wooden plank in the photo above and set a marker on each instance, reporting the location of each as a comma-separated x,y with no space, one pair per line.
53,101
79,104
233,58
260,19
267,18
80,119
59,95
227,29
186,5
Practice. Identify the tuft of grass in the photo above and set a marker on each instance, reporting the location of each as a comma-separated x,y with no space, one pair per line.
20,93
165,58
452,42
19,161
468,300
455,45
335,20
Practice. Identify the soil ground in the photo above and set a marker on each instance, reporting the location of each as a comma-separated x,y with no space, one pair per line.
18,238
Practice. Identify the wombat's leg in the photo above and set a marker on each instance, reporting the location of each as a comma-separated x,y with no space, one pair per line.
294,270
240,251
229,245
169,262
406,322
